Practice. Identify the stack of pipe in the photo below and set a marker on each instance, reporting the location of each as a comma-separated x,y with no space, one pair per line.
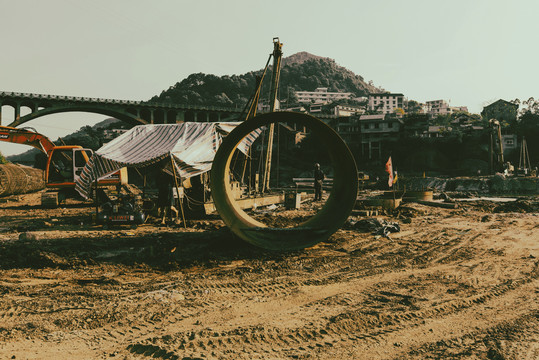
20,179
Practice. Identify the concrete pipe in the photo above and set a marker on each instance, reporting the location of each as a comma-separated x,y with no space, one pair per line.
20,179
319,227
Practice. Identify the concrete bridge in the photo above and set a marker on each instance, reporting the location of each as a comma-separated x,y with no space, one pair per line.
132,112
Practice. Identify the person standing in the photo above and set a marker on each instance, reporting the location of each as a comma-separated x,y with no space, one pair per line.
318,181
165,197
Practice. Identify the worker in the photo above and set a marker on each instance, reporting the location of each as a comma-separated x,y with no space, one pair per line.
318,181
165,197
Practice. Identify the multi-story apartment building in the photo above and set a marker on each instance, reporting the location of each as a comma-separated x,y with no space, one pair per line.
366,134
385,103
321,95
374,130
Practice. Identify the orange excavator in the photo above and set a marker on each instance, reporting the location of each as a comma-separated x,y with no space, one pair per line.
63,166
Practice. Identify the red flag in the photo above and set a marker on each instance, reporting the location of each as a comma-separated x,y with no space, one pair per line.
389,170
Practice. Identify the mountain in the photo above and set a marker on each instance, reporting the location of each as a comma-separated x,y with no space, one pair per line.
301,71
305,71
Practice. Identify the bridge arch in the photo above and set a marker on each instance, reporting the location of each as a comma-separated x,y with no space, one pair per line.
131,112
120,115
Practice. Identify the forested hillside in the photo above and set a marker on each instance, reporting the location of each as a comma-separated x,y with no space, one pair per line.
301,71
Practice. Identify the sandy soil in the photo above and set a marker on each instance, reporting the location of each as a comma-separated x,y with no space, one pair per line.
453,283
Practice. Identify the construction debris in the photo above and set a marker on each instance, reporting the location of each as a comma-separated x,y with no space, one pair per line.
375,226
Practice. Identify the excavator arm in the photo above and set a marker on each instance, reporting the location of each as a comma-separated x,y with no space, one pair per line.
26,136
64,163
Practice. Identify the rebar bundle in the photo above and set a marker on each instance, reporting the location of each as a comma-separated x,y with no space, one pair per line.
20,179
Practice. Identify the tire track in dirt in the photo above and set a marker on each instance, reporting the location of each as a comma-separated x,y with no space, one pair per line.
355,325
275,288
354,320
512,339
214,297
278,288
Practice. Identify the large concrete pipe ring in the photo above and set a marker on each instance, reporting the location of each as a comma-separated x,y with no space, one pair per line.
319,227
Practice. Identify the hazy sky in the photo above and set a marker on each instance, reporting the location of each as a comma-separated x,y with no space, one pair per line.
469,52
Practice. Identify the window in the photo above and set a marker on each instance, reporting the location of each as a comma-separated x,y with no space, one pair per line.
376,126
390,125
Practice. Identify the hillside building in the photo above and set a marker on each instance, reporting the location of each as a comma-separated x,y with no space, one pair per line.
348,110
365,134
315,108
321,95
441,107
436,131
385,103
375,129
501,110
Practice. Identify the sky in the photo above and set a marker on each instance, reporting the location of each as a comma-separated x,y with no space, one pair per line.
469,53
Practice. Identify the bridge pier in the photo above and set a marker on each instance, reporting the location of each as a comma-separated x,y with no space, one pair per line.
17,108
180,117
202,117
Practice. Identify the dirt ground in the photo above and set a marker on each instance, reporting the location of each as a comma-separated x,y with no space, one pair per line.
452,284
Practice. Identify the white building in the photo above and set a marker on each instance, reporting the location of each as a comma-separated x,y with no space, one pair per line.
441,107
385,103
321,95
348,110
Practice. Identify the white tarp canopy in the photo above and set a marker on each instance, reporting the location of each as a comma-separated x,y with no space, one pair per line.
192,147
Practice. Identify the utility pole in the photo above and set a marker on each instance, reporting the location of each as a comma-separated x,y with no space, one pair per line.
277,55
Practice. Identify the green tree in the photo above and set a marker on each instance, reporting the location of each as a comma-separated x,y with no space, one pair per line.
530,106
442,120
413,107
528,127
415,124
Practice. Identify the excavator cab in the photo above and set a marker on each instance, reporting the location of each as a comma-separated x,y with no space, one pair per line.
65,165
